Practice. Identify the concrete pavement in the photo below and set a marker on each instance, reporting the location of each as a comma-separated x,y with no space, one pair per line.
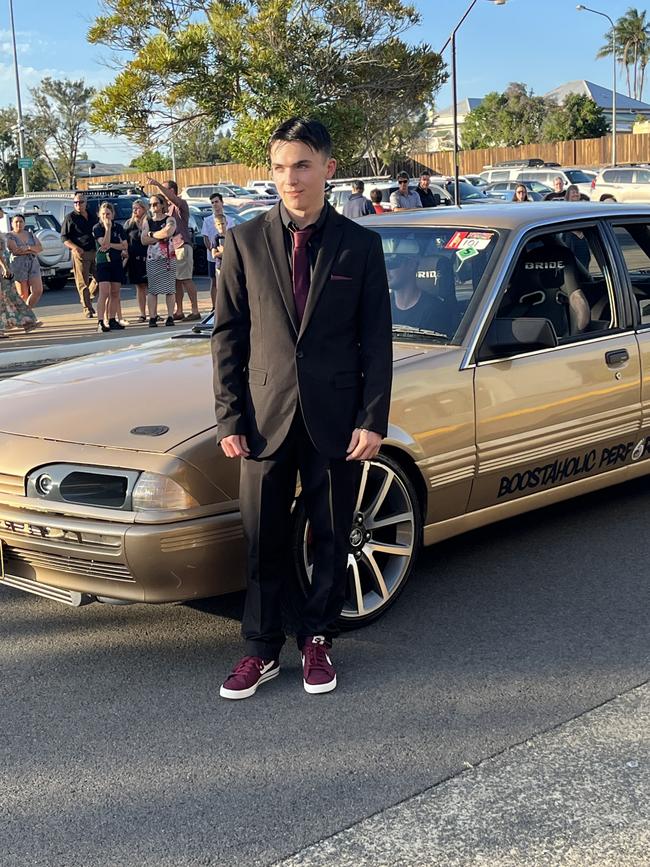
575,796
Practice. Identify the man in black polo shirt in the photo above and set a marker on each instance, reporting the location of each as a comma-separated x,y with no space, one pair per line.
424,192
77,235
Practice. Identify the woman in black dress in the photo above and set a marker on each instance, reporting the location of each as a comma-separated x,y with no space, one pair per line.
136,266
111,242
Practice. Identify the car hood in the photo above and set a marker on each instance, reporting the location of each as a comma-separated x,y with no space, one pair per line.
99,399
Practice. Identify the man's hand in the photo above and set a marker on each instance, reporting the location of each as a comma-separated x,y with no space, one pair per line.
364,445
155,183
235,446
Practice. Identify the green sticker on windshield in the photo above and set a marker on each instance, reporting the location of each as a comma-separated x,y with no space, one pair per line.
467,253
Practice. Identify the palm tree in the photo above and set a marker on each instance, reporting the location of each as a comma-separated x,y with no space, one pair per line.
632,49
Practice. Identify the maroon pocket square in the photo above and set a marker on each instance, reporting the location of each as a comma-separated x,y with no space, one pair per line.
339,277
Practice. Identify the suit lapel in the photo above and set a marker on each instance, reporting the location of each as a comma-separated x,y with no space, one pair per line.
274,237
329,247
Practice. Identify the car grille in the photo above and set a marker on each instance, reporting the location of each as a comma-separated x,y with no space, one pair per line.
11,486
69,565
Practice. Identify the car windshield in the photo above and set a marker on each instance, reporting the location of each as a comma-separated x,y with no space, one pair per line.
433,273
468,192
240,191
576,176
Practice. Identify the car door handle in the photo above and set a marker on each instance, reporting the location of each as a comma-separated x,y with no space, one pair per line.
616,357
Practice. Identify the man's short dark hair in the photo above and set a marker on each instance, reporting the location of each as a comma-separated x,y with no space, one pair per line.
425,174
358,186
309,132
403,176
172,185
375,197
216,196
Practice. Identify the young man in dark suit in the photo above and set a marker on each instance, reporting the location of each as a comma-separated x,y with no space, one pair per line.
302,375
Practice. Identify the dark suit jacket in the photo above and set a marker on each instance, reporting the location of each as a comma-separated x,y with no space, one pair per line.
337,365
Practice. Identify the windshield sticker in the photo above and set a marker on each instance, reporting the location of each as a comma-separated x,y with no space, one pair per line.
562,470
484,236
475,243
467,253
454,242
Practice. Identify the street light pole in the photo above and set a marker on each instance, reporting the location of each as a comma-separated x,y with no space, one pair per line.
454,91
19,111
582,8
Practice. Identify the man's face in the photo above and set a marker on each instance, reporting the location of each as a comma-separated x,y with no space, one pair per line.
400,272
574,195
300,174
425,180
558,185
217,207
403,185
80,204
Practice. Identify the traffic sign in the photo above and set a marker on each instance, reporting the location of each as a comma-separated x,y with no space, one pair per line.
25,163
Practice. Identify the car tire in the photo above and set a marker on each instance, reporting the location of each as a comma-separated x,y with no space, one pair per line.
608,199
55,283
388,516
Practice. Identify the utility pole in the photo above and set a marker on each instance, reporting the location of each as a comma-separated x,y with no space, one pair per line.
19,111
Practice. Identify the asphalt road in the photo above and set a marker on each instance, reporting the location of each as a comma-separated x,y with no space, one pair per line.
116,749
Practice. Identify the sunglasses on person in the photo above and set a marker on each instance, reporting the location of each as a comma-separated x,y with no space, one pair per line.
79,202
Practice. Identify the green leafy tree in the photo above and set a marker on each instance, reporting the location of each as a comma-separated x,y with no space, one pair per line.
10,174
197,143
632,49
253,64
151,161
505,119
61,123
578,117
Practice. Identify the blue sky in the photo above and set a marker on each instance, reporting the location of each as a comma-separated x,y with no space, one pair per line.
543,43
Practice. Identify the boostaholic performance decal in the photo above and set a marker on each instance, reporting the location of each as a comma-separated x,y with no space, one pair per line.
564,469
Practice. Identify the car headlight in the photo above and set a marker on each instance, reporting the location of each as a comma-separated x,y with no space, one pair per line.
153,491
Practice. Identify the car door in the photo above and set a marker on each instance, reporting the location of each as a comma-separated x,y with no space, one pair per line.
632,243
546,417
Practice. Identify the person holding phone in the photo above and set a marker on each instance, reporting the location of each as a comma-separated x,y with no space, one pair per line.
110,240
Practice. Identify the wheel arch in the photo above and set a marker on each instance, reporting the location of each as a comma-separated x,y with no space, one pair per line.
409,466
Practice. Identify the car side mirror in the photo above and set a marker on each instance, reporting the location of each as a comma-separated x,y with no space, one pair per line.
508,336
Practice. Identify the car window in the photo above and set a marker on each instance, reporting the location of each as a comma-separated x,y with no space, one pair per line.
641,176
565,278
42,221
576,176
433,273
634,244
499,176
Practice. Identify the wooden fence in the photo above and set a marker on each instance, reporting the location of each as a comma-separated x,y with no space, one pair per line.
594,153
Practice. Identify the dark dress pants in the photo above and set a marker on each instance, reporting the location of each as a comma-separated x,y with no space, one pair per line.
267,490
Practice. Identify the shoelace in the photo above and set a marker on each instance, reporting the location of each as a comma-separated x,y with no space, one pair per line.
248,663
316,657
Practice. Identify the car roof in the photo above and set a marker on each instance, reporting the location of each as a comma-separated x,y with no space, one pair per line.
515,217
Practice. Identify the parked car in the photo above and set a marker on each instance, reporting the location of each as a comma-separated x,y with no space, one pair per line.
232,194
341,193
621,184
526,388
55,259
506,189
255,211
476,181
547,175
263,188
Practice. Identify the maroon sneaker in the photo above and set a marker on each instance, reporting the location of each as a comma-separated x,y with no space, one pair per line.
318,673
249,673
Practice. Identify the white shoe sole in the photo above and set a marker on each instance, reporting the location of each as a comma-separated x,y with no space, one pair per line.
316,689
247,693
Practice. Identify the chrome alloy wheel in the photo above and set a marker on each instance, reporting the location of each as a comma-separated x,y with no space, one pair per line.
384,539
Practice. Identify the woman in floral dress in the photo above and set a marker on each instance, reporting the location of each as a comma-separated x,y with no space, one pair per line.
14,313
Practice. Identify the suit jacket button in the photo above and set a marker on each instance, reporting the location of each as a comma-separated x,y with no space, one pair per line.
299,354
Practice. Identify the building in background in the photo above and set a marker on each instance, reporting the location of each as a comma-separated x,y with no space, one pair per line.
628,110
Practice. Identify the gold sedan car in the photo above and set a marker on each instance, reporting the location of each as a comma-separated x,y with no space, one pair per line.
521,353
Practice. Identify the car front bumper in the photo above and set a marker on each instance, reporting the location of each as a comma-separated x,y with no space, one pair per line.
153,563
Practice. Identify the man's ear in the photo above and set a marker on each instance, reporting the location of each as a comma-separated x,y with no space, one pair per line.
331,168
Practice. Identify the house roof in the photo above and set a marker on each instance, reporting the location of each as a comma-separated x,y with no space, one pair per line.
464,106
602,96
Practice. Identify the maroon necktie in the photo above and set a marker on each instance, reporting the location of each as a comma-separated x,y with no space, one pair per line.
301,268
